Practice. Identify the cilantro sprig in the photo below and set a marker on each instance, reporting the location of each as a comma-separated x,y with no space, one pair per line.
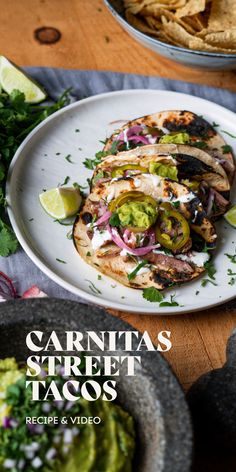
152,294
17,120
92,163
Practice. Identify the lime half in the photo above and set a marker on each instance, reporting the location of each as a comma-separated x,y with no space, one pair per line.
13,78
60,202
230,216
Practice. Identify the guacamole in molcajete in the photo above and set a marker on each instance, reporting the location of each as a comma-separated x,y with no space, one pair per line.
104,447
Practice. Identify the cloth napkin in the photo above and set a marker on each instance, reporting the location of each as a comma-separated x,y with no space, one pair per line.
84,84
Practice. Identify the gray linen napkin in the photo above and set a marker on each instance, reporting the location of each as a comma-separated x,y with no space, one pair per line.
85,83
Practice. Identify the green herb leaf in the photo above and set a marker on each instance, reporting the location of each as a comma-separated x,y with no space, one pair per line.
230,272
17,119
93,287
199,144
210,268
204,282
169,304
68,158
61,260
133,274
229,134
172,302
231,257
67,179
231,281
114,220
8,241
152,294
226,148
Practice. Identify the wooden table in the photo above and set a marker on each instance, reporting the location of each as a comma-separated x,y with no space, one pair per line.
91,39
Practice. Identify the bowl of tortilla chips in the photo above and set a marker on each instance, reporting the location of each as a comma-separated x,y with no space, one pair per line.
196,33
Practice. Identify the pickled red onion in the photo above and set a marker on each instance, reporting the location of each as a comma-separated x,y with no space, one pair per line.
141,251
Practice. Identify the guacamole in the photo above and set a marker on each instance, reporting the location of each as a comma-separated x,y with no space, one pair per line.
137,214
163,170
107,446
177,138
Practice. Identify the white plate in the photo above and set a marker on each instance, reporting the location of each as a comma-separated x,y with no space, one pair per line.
36,166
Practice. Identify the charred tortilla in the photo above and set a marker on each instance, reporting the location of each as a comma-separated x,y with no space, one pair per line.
194,166
192,163
202,134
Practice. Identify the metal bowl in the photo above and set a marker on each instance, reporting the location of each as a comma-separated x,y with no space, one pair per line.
188,57
153,397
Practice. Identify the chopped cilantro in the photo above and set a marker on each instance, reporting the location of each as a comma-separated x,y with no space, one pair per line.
231,281
231,257
204,282
58,153
67,179
210,268
226,148
169,304
93,288
152,294
230,272
133,274
61,260
99,277
68,158
77,130
199,144
176,204
229,134
215,125
197,292
172,302
114,220
64,223
92,163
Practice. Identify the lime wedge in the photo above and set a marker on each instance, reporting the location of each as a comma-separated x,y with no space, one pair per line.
11,77
60,202
230,216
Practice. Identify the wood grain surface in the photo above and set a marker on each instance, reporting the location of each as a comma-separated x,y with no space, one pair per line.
91,39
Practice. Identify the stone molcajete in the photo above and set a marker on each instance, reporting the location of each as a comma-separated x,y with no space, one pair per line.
212,401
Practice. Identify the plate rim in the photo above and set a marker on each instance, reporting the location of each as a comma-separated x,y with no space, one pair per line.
152,310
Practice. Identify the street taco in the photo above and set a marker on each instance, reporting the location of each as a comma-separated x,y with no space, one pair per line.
174,127
144,230
183,163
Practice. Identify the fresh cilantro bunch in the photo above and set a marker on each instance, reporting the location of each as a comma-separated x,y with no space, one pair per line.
17,119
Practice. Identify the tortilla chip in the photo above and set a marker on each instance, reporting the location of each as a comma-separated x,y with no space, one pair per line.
200,45
222,15
203,25
140,24
177,33
223,39
191,8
